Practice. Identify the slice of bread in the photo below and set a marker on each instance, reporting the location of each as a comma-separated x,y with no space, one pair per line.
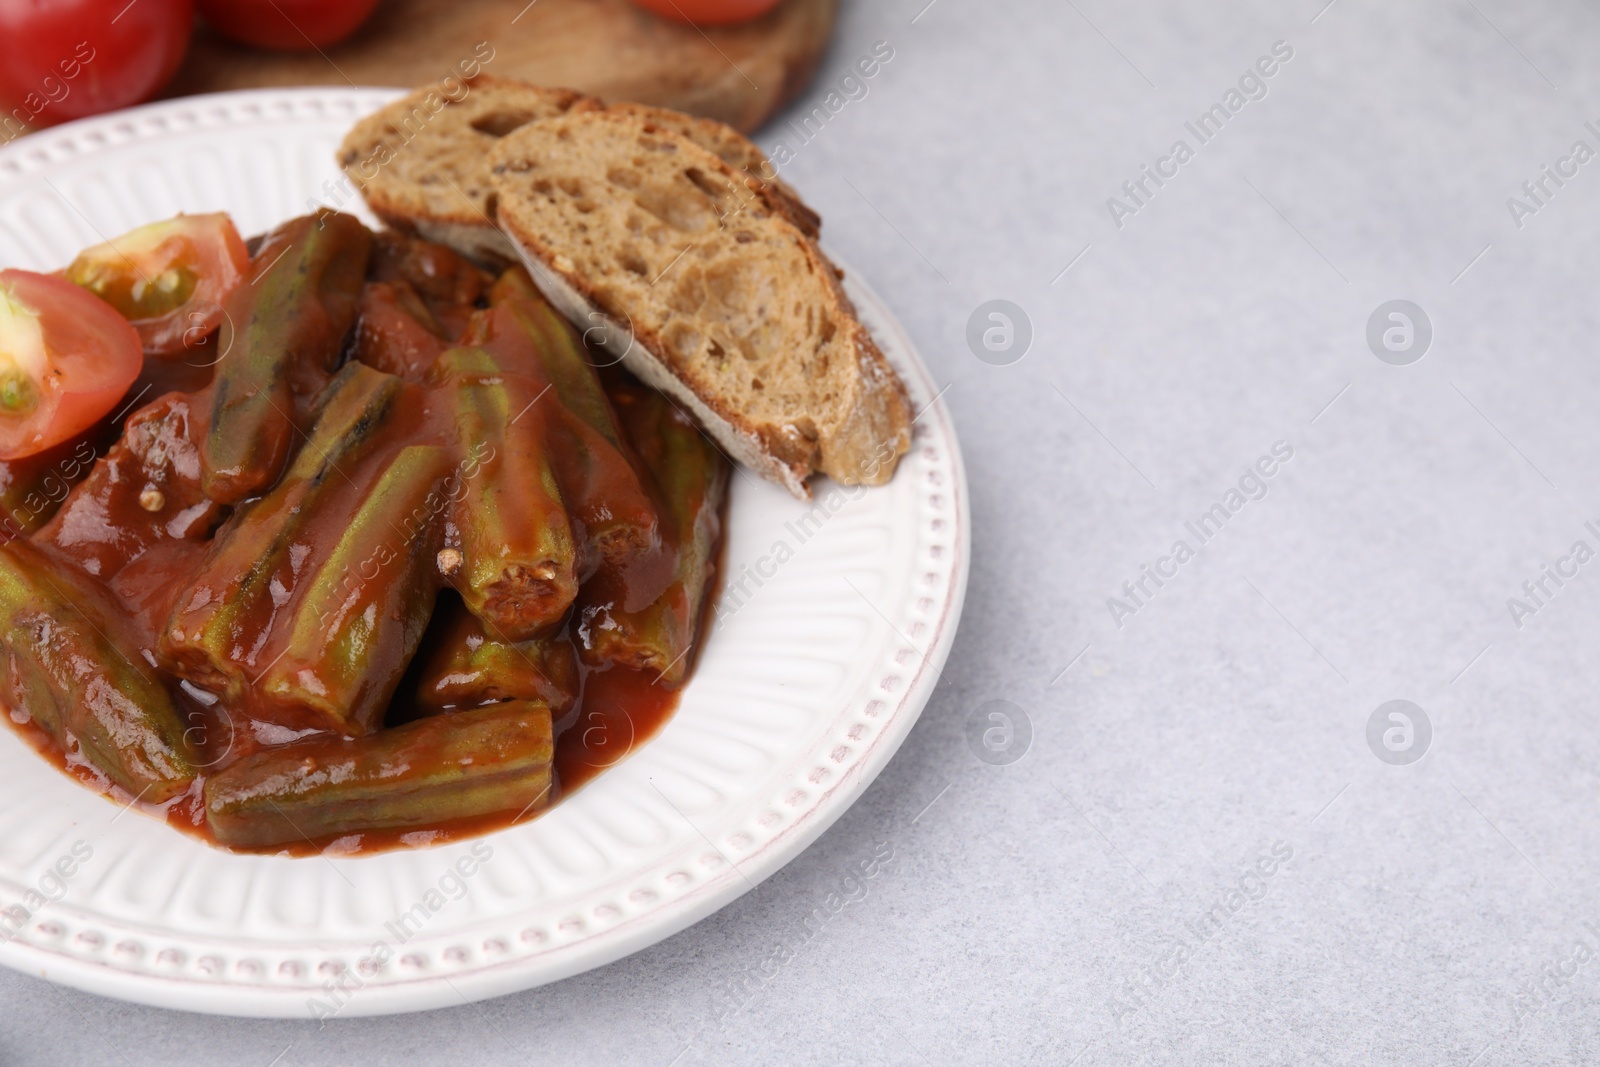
420,161
705,291
738,152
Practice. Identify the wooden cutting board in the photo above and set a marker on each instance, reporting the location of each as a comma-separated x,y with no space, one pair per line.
739,74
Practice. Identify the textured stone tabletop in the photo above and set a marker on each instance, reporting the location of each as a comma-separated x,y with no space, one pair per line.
1289,416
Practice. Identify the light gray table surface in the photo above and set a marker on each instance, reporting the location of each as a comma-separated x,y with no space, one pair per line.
1199,858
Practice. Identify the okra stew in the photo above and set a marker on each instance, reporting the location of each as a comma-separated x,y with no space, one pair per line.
332,538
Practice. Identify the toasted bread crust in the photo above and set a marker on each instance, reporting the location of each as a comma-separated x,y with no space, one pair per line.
752,330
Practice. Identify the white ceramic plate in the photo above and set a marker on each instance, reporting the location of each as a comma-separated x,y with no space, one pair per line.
831,644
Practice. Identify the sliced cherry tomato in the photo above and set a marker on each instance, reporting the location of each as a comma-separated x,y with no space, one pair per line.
709,12
69,58
287,25
168,278
66,359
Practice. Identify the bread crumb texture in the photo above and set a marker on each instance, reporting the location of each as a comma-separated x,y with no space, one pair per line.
713,279
422,158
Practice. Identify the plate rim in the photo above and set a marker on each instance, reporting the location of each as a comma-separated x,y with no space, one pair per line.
38,152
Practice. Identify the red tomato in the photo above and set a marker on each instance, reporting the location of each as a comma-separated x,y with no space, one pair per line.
66,359
65,59
168,278
289,25
709,12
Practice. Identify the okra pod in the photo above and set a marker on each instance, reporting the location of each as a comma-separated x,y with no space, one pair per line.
517,566
146,490
281,337
616,516
693,478
447,282
33,488
468,667
462,765
220,627
364,608
64,639
561,351
397,333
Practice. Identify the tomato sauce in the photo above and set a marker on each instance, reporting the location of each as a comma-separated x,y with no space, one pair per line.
148,552
620,710
617,711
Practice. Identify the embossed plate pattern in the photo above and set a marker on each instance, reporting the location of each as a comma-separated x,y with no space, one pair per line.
831,640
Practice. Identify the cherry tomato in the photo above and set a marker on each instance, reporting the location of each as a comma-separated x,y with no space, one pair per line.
709,12
66,359
168,278
65,59
288,25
